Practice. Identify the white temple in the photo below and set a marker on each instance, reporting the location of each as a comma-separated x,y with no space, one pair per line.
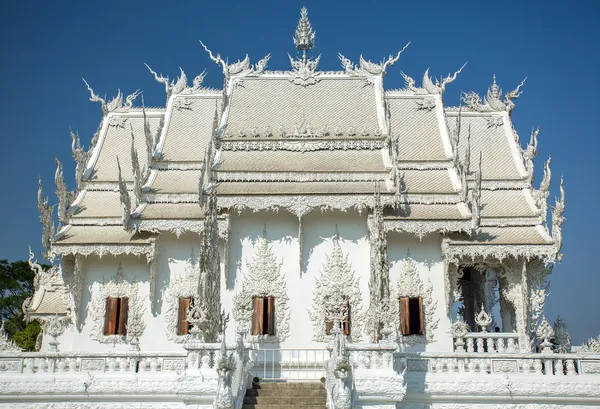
300,238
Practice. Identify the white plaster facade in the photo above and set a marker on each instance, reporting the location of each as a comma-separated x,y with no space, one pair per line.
386,177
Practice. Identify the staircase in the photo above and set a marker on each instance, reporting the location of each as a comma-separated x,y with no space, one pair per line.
285,395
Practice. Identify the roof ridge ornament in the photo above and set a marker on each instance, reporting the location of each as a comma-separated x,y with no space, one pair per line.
430,85
541,195
304,69
304,37
173,87
115,104
557,219
47,220
367,67
493,101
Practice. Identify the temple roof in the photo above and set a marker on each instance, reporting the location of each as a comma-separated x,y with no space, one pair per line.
343,106
305,139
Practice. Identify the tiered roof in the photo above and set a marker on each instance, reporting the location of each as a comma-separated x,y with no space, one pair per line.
305,139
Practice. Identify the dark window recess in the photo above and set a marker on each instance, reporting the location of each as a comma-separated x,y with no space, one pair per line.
183,326
411,316
115,318
263,316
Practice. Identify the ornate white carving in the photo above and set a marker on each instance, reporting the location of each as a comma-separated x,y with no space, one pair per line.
483,319
177,227
368,67
118,286
494,121
6,344
592,345
116,104
300,176
173,87
423,228
426,104
428,86
301,205
185,285
264,279
493,102
557,220
304,71
101,250
545,333
46,218
410,284
303,145
334,290
453,253
182,103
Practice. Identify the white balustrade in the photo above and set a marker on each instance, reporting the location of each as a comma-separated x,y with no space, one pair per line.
75,362
501,363
480,342
289,364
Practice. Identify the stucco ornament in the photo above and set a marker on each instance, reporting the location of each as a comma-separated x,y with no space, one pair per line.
335,290
493,101
592,345
304,69
264,279
173,87
557,220
545,333
46,218
429,85
378,317
54,326
115,104
185,285
459,330
7,345
118,286
410,284
483,319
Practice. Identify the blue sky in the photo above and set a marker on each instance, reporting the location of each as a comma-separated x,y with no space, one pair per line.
47,47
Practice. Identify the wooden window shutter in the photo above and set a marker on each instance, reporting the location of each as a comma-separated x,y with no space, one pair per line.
328,327
123,312
183,325
270,330
257,315
346,326
110,316
421,326
404,316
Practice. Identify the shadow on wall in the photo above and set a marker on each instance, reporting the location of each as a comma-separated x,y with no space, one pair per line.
284,227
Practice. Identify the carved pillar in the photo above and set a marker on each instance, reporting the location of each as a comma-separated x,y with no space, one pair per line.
151,260
489,281
507,308
522,313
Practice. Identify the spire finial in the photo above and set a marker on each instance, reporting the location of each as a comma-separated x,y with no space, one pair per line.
304,37
495,90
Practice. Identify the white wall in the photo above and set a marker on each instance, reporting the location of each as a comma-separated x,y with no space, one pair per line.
282,233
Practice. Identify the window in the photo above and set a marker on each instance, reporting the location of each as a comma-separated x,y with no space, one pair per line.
183,326
263,316
411,316
115,320
345,324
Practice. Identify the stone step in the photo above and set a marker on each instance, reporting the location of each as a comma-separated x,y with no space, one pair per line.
307,392
286,400
286,406
284,395
288,385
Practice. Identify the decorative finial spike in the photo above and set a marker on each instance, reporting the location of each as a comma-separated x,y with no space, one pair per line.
304,37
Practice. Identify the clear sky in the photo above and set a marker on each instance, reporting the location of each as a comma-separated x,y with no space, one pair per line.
47,47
